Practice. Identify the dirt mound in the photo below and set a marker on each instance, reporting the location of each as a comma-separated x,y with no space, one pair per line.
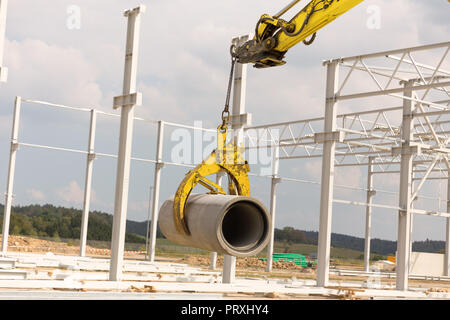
28,244
33,245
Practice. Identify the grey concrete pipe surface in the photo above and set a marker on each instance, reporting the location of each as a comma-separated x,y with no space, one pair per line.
233,225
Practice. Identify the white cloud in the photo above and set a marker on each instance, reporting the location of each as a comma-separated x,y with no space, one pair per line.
141,206
38,70
348,176
313,169
161,103
71,193
36,195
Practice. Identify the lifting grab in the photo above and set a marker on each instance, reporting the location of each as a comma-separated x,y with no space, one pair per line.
226,158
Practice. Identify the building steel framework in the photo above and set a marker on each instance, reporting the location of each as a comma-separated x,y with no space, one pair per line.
410,139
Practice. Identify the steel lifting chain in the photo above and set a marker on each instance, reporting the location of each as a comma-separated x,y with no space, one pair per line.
226,110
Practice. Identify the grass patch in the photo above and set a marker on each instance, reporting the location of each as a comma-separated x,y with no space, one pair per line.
341,255
307,249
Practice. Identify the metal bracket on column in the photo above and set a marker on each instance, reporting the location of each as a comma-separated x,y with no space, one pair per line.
276,180
402,212
159,165
14,146
372,193
414,149
408,116
332,99
140,9
92,156
240,120
133,99
327,62
335,136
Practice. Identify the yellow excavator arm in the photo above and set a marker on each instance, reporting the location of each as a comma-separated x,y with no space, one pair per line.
275,36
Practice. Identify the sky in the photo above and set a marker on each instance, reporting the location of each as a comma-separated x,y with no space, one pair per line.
183,72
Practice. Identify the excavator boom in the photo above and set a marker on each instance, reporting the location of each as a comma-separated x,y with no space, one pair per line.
275,36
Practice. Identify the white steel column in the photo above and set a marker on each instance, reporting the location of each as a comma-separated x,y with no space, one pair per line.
229,269
88,184
213,259
447,247
405,201
447,234
239,92
370,194
159,165
273,203
213,265
239,95
147,231
411,224
127,103
327,180
11,171
3,14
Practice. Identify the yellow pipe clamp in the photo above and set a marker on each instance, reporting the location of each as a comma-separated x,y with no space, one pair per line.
226,158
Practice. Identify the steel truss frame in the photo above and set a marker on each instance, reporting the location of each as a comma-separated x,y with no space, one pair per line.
408,139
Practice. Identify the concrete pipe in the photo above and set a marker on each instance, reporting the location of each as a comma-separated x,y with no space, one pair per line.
233,225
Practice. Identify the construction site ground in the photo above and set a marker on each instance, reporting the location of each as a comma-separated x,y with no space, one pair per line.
42,269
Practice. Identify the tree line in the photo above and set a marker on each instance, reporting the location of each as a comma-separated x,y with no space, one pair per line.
59,222
377,246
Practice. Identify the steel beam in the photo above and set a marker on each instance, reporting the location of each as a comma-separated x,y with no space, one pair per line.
327,180
229,269
369,197
397,90
125,144
239,94
147,231
213,261
447,233
11,172
391,52
405,193
157,185
238,108
273,202
88,184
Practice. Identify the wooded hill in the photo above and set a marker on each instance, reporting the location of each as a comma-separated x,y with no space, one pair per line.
59,222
